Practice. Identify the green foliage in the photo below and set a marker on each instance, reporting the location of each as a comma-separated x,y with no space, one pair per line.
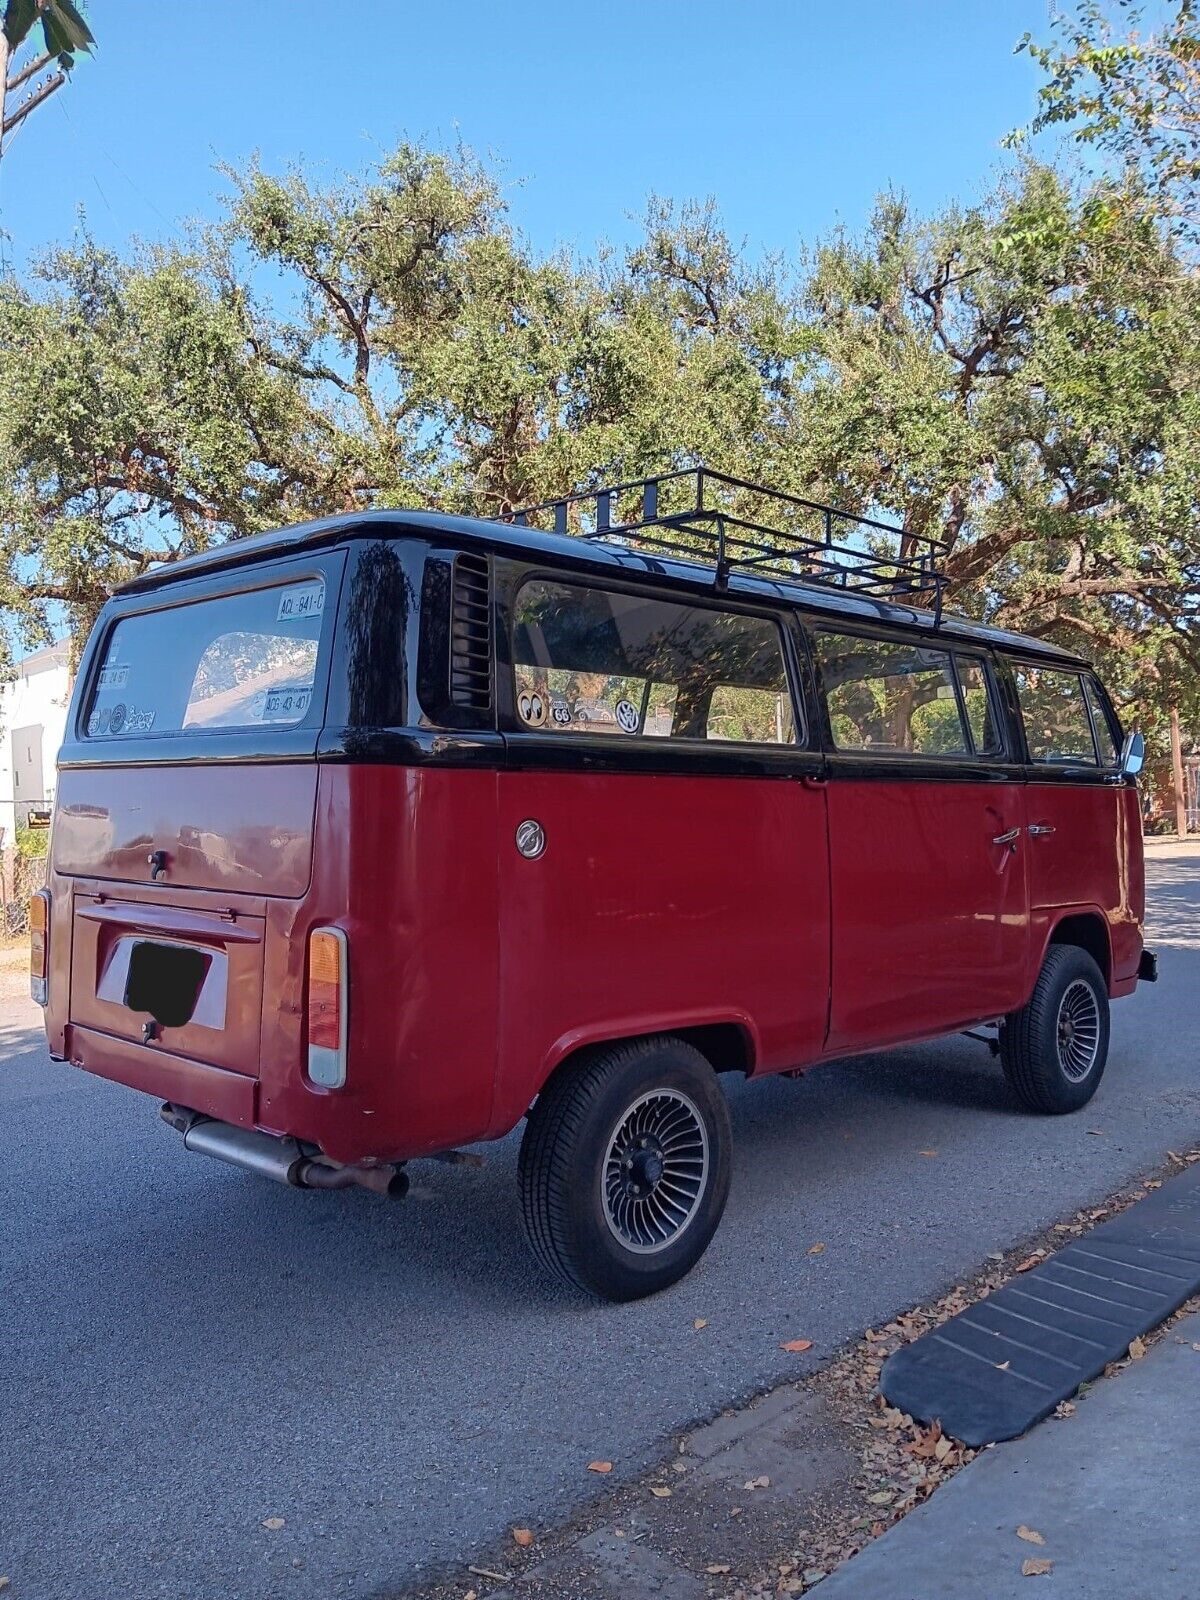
1018,379
32,843
64,32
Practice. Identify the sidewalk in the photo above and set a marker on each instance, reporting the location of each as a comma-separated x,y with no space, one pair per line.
1114,1490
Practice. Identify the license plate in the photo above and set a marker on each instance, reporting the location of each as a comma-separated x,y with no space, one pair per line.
165,980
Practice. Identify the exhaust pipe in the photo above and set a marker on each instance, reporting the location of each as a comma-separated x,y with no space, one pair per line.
282,1160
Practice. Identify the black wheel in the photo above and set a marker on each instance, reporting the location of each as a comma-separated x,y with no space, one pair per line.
624,1167
1053,1050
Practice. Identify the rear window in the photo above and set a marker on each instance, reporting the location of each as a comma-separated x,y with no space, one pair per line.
595,661
242,660
893,699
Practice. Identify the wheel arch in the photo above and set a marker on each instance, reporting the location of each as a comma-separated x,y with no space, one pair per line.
728,1043
1086,928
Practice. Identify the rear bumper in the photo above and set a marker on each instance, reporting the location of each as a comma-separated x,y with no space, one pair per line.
229,1096
1148,967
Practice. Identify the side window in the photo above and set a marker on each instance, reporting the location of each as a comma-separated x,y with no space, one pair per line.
888,698
597,661
979,706
1058,729
1109,754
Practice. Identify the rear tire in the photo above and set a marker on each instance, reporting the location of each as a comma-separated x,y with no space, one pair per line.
624,1168
1054,1049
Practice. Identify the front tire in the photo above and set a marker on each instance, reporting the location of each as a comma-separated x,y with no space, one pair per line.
1054,1049
624,1168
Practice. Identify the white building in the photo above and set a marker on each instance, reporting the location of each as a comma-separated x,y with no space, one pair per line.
33,719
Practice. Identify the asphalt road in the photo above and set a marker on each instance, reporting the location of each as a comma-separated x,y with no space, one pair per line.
186,1351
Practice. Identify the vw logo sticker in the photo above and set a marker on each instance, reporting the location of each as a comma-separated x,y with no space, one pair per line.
531,839
627,716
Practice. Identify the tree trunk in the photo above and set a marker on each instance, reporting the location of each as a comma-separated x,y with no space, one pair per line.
5,56
1181,826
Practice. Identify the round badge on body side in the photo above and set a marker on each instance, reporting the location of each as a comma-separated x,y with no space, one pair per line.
531,839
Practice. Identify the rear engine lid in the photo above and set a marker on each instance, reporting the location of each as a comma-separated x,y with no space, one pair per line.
171,977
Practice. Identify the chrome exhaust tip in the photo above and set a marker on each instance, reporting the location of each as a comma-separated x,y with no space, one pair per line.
283,1160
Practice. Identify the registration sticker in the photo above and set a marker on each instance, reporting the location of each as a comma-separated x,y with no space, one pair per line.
303,600
114,677
286,705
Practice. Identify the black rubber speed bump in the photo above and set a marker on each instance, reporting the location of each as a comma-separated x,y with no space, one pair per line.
995,1369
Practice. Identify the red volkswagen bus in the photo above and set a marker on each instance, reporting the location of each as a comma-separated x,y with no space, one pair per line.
380,834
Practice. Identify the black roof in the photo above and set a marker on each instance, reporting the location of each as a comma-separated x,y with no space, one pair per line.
597,556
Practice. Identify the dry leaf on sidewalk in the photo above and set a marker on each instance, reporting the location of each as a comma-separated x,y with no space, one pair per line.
795,1346
523,1537
599,1466
273,1523
717,1568
1036,1566
660,1491
1035,1260
1137,1349
700,1322
1030,1535
762,1482
815,1249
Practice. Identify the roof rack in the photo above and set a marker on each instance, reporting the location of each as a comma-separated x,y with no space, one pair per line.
696,513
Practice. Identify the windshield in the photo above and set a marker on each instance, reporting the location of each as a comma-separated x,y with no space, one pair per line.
236,661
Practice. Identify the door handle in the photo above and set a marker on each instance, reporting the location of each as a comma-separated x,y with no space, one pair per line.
1038,830
1009,838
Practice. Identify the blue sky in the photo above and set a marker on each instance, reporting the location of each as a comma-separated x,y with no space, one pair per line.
792,113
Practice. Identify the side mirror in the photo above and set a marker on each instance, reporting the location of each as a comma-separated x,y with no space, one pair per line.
1133,756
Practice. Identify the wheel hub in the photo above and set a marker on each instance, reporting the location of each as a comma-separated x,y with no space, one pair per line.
1078,1031
655,1171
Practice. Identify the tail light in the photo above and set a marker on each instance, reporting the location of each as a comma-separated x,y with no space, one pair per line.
328,1012
39,945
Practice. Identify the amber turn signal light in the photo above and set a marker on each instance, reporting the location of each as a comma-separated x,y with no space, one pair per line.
328,990
39,945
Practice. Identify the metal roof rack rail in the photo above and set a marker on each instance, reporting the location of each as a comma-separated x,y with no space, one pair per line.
738,526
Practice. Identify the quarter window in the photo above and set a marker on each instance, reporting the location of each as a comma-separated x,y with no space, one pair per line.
1109,754
1058,729
600,662
893,699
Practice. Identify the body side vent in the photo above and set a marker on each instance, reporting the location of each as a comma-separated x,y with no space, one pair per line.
471,633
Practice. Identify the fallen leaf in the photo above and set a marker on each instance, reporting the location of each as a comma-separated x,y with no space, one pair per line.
1137,1349
599,1466
1066,1408
943,1448
795,1346
700,1322
815,1249
660,1491
882,1497
1030,1535
471,1594
717,1568
1003,1366
762,1482
1099,1131
523,1537
273,1523
927,1152
1035,1260
1036,1566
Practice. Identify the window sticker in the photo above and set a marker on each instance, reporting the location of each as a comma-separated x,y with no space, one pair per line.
627,716
531,707
114,676
288,703
302,600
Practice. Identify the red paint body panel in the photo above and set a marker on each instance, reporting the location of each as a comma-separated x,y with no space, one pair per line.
660,902
1092,863
930,917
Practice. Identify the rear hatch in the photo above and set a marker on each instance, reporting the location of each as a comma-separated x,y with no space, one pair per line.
186,803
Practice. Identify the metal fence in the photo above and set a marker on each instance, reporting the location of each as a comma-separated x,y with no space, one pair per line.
23,876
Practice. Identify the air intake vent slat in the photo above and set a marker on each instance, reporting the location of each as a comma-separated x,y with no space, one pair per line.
471,633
